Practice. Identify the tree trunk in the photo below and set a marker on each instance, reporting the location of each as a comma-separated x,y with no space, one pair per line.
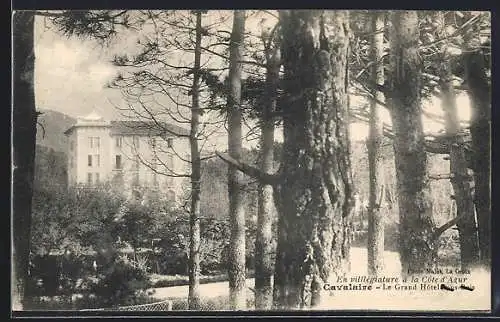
461,181
194,219
237,291
480,96
376,134
315,194
264,265
24,142
417,247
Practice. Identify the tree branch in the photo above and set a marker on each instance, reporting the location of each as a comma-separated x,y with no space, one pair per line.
381,197
440,176
439,231
250,170
454,34
367,93
251,62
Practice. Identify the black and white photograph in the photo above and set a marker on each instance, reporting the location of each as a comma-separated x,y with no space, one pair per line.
251,160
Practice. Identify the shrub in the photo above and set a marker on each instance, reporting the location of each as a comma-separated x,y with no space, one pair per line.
122,283
219,303
449,248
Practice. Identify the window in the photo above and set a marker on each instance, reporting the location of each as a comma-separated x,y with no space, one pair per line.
94,142
135,141
136,195
154,167
171,196
97,177
136,162
97,160
152,143
118,141
89,178
71,145
170,142
170,162
154,163
135,179
118,162
90,160
118,180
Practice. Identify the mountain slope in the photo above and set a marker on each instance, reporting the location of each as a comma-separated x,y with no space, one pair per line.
50,131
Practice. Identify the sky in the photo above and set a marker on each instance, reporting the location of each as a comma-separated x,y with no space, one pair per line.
71,76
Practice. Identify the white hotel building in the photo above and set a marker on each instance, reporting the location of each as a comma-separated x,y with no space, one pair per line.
126,153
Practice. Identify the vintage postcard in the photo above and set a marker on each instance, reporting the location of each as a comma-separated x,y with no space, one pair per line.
251,160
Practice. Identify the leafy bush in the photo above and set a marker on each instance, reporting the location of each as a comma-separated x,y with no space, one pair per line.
78,220
85,221
449,248
122,283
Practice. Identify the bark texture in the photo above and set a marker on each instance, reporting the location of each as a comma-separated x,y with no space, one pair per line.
479,90
24,140
264,264
418,249
194,219
460,179
315,196
237,291
376,134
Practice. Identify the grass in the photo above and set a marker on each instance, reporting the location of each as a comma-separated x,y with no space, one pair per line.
219,303
181,280
76,302
49,303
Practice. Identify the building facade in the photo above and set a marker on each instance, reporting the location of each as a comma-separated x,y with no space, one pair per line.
134,156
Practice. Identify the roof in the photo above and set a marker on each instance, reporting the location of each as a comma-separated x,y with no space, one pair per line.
146,128
93,116
142,128
93,119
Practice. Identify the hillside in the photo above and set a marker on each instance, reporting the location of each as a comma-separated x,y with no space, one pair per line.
50,132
